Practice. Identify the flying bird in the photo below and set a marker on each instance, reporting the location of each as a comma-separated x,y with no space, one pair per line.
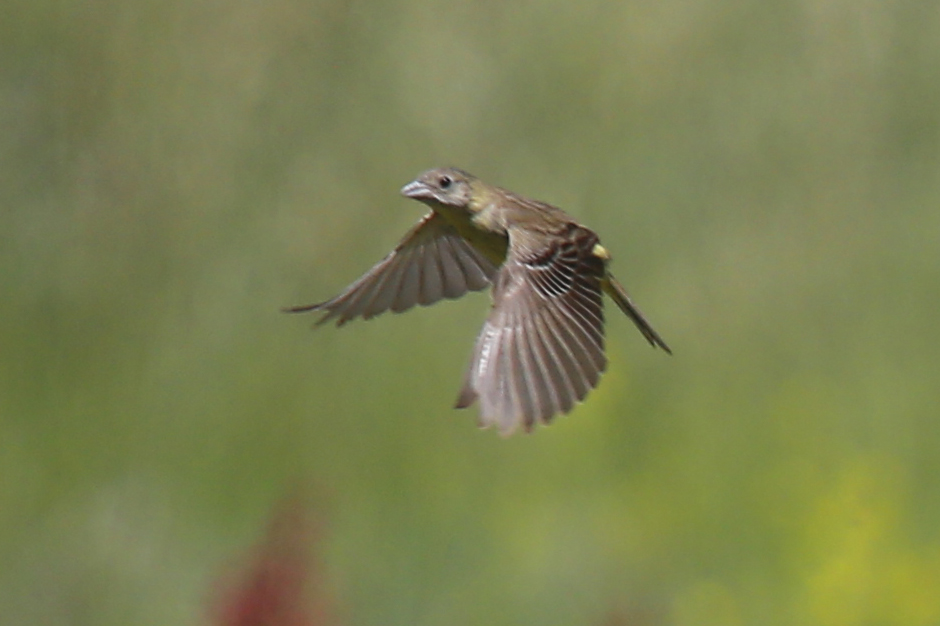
541,349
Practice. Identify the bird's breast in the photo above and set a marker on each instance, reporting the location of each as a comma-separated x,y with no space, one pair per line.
492,243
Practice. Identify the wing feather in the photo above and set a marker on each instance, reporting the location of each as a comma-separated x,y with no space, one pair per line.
452,274
384,290
556,379
432,288
541,349
542,396
477,270
431,262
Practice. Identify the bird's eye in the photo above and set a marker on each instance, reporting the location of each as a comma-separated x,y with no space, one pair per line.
445,182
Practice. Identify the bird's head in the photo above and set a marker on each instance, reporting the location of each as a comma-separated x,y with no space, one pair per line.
444,185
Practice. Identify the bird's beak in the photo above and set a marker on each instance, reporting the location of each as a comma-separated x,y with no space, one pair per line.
417,190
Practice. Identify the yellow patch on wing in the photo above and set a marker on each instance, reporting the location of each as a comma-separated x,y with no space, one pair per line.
600,252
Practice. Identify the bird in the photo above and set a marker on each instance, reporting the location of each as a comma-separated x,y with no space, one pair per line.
541,349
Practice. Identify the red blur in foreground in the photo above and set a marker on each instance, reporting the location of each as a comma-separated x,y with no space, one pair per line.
280,584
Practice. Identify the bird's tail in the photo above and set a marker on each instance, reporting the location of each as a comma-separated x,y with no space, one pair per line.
619,295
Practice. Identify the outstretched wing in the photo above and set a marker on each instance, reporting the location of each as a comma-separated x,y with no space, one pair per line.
542,348
430,263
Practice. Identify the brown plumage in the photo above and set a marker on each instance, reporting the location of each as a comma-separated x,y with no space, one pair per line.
541,349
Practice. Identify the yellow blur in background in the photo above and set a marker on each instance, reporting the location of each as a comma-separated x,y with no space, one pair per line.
766,175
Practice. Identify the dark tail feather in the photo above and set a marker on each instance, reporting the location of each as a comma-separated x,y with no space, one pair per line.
619,295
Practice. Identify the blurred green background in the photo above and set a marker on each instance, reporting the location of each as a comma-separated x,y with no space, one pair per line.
765,172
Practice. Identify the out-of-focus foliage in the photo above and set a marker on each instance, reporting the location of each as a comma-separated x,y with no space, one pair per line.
766,174
280,582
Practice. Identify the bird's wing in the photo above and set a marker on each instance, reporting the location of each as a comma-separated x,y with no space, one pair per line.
430,263
542,348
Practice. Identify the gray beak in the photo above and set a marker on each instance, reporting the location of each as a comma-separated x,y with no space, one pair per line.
417,190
